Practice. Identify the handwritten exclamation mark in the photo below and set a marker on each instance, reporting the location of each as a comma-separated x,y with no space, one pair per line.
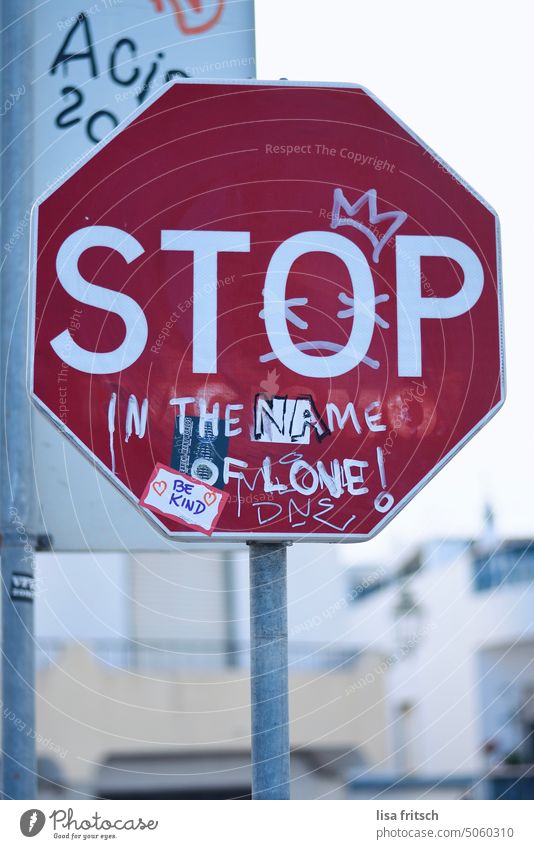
384,501
381,467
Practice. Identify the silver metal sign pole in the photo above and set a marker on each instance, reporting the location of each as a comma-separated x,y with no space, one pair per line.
16,496
268,670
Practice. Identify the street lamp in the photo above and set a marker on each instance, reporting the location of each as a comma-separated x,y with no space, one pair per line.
408,615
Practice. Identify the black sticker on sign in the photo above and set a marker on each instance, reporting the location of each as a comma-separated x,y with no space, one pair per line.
201,456
22,587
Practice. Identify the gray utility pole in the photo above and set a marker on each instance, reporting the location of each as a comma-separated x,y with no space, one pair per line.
268,670
16,493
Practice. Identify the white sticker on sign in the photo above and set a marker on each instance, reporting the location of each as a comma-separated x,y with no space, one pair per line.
180,497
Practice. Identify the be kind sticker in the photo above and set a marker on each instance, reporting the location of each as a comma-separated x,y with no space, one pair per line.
180,497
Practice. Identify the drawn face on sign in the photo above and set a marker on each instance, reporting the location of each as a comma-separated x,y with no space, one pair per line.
311,340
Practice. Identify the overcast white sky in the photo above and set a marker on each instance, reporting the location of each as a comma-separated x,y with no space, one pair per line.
459,74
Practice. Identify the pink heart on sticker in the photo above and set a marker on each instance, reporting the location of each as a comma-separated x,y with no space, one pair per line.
159,487
209,498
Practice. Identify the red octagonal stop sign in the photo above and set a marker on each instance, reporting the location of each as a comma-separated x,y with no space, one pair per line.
267,309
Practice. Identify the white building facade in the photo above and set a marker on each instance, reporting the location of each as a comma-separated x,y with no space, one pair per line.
455,625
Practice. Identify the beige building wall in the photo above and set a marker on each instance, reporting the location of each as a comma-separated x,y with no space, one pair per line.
89,710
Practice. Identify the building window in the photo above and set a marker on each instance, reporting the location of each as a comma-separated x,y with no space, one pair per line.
509,564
